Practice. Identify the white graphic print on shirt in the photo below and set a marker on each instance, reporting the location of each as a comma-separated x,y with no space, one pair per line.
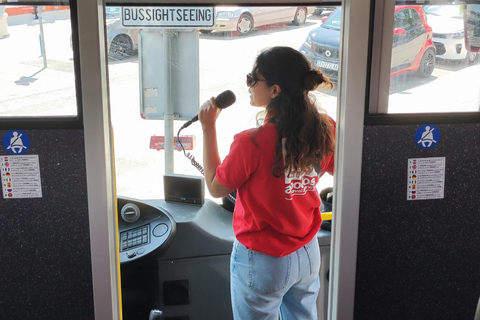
296,184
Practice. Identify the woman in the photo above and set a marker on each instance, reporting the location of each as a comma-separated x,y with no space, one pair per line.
275,259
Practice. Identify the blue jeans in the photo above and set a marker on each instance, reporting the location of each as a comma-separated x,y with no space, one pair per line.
268,288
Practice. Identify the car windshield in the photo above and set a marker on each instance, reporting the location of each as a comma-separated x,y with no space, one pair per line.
334,21
445,11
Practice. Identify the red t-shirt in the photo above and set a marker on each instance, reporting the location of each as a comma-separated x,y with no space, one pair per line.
275,216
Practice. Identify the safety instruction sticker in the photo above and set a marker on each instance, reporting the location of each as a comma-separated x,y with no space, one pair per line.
426,178
20,176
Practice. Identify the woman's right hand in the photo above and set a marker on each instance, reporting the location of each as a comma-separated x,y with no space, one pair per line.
208,114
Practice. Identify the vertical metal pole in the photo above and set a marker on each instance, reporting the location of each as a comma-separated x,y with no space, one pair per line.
169,116
100,159
42,37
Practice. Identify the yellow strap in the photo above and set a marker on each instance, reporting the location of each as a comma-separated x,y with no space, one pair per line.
326,216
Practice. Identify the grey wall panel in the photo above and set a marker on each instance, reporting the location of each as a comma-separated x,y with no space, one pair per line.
418,259
45,258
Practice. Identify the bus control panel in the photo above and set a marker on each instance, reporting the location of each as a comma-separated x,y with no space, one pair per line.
145,231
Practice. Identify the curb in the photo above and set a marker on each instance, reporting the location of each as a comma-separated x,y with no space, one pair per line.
18,10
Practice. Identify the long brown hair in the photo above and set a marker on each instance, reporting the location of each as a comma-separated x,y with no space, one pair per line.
309,134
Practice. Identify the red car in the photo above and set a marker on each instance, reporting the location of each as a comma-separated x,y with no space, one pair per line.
413,48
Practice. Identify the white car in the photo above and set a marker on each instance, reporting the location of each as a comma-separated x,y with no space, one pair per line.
448,32
244,19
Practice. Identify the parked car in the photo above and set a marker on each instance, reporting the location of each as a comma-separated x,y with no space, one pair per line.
413,48
319,10
121,41
448,32
245,19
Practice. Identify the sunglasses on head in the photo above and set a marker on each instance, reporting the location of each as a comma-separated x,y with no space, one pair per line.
252,81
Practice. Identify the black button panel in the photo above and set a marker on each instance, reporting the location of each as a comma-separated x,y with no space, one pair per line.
134,237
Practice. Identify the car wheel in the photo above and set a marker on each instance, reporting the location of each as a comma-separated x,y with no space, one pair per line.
472,57
121,47
427,64
245,24
300,16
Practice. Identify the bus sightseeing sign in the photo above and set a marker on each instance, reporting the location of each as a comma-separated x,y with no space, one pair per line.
168,17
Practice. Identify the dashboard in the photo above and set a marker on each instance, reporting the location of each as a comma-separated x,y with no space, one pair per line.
145,232
175,257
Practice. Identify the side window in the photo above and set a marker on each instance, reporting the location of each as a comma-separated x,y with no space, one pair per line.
36,65
401,19
417,22
432,70
409,24
397,25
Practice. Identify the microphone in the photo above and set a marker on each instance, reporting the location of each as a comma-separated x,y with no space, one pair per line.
223,100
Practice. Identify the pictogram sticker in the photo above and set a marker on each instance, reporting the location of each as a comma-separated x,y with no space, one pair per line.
16,141
427,136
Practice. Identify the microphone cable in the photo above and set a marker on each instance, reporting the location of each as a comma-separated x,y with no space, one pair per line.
193,161
199,167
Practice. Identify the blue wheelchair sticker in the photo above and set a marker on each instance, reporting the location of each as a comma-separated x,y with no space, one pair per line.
427,136
16,141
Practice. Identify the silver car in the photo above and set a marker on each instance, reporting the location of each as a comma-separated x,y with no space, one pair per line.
245,19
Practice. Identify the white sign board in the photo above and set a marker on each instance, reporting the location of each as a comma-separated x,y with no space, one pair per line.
168,17
169,78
